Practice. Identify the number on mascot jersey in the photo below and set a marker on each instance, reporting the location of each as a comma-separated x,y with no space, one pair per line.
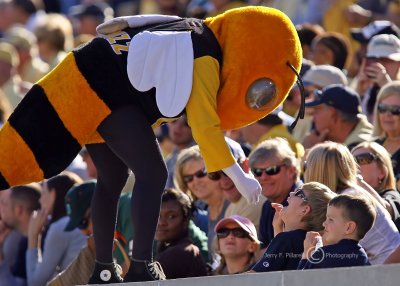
118,48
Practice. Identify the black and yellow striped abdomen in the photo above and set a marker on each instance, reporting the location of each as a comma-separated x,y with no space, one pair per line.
48,128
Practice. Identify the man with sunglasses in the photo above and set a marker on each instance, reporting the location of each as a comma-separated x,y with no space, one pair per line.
337,117
274,165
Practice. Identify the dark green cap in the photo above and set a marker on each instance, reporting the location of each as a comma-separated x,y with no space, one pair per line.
77,202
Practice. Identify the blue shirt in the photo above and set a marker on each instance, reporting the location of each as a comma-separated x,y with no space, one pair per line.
283,253
345,253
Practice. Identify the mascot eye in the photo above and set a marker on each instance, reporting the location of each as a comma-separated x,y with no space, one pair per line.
260,93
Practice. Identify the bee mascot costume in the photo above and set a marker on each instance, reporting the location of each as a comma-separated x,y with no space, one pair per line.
223,72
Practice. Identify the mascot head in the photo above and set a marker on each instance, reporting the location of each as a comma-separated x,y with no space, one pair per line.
258,46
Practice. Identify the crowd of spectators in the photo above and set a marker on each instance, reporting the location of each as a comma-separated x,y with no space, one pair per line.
331,185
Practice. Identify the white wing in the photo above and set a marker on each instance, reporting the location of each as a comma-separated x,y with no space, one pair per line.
164,60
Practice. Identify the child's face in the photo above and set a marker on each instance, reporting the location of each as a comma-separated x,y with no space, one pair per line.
233,246
293,213
335,226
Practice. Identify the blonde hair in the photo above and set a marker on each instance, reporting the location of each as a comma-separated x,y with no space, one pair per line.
185,156
389,89
278,148
384,161
318,196
333,165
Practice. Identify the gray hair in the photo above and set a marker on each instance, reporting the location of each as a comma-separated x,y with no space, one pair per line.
278,148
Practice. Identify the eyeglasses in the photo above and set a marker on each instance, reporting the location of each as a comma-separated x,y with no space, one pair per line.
237,232
365,158
392,109
215,176
270,171
199,174
300,193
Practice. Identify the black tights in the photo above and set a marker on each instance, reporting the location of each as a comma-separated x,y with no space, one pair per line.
130,143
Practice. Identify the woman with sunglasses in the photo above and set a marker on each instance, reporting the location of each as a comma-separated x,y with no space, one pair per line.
237,244
192,178
46,235
333,165
305,211
387,122
376,169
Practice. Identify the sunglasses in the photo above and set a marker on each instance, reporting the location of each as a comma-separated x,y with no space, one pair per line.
365,158
237,232
215,176
392,109
300,193
270,171
198,174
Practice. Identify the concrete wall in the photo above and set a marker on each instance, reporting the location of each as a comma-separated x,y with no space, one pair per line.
381,275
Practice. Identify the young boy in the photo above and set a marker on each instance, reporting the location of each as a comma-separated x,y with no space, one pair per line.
348,219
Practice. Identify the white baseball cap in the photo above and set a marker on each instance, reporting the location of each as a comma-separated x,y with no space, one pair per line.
384,46
324,75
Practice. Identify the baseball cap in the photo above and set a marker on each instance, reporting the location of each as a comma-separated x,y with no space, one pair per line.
99,10
364,34
243,222
324,75
77,202
338,96
384,46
